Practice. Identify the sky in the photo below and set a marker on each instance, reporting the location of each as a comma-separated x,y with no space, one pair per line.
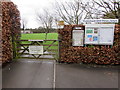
29,8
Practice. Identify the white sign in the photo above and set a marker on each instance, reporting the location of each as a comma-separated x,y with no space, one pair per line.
78,37
102,34
101,20
35,40
36,50
78,28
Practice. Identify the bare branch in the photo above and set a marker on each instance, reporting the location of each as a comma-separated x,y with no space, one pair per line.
70,12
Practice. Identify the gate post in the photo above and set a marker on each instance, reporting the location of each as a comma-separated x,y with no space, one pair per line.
13,46
59,47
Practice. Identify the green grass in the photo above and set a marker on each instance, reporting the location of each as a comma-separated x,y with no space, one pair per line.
40,36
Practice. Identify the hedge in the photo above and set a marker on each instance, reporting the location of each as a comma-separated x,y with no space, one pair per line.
10,29
90,54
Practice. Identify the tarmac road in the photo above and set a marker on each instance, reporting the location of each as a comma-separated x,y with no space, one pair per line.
83,76
40,74
28,74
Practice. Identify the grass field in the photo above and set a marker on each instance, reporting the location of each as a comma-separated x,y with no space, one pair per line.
41,36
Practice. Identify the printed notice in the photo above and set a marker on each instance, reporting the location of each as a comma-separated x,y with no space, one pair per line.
106,35
36,50
89,31
78,37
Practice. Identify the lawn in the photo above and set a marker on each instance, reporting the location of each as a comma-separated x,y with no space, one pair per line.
41,36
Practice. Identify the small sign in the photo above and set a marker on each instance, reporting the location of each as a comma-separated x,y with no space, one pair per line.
60,23
36,50
89,36
35,40
90,39
95,31
95,38
89,31
78,28
101,20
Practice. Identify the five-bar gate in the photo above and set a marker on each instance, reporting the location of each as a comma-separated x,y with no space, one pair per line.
38,49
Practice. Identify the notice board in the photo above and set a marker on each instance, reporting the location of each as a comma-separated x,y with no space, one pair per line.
78,37
101,34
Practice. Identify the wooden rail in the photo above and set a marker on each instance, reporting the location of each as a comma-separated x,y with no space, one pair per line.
23,50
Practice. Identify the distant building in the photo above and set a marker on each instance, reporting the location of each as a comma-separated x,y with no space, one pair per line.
26,31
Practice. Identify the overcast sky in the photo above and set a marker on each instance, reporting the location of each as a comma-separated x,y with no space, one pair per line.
28,9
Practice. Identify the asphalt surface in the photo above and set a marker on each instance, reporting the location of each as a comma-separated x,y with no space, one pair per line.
28,74
83,76
40,74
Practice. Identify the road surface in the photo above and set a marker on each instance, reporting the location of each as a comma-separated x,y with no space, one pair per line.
48,74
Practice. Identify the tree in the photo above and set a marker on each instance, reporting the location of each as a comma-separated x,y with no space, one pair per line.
91,10
110,9
46,19
23,23
102,9
109,15
70,12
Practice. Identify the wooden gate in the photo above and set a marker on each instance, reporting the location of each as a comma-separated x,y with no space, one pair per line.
50,49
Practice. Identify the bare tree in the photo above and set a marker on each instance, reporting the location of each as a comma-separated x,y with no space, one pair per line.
111,6
70,12
23,23
46,19
100,8
92,11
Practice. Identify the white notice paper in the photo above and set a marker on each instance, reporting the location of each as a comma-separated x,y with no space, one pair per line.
36,50
78,37
106,35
